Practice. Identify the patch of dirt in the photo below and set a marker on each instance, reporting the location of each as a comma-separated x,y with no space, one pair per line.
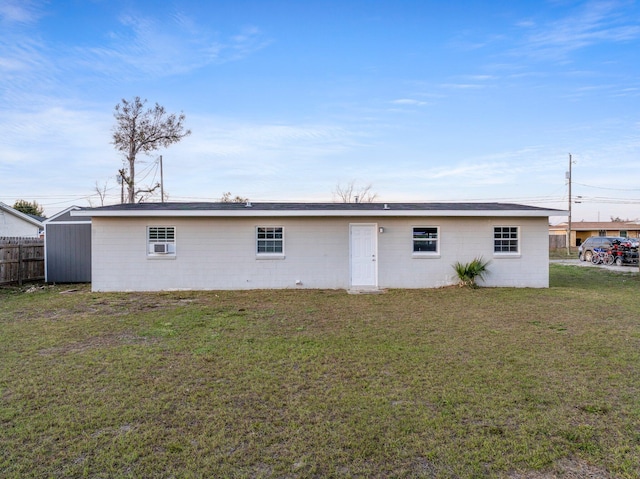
566,469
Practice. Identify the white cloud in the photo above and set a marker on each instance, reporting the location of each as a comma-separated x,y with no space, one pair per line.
283,146
596,22
462,86
19,11
409,101
54,152
147,46
26,70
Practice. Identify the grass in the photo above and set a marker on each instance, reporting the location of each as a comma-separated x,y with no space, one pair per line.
561,253
445,383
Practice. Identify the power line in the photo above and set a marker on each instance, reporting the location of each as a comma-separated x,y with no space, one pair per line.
618,201
606,188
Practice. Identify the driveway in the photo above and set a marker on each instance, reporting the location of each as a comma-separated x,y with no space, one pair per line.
577,262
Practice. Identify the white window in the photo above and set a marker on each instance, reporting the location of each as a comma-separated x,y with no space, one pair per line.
270,240
425,239
161,241
506,239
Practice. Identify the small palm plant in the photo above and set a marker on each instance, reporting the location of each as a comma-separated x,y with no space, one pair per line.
468,273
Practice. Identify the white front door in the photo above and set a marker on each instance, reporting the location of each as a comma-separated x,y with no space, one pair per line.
364,251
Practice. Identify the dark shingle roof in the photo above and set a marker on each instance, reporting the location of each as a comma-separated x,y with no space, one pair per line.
301,210
301,207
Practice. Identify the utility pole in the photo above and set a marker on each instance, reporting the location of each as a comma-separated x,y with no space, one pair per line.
569,222
120,179
161,182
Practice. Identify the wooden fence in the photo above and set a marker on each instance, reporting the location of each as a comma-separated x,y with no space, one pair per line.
557,242
21,259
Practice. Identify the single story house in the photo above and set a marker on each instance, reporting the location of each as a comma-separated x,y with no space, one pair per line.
67,248
355,246
581,230
14,223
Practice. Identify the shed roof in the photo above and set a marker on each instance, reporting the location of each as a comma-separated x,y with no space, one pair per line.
64,216
264,209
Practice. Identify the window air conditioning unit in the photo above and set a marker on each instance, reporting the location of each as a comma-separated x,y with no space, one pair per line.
160,248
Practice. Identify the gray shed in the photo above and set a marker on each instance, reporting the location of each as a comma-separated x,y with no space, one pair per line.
67,248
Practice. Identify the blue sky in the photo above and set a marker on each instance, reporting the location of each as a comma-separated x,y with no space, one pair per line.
424,100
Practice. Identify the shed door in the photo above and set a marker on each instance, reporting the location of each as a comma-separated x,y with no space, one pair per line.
68,253
364,270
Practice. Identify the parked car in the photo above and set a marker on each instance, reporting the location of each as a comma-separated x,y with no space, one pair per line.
634,242
585,250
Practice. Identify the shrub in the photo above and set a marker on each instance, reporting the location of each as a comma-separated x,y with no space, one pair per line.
469,273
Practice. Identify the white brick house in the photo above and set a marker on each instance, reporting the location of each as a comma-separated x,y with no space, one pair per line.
209,246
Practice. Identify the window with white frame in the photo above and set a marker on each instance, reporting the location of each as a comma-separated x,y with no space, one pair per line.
506,239
425,239
270,240
161,241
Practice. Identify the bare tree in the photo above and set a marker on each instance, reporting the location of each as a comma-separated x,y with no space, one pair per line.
351,193
143,130
101,191
227,198
617,219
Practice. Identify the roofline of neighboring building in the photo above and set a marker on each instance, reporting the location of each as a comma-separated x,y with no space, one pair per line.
592,226
265,209
20,214
63,212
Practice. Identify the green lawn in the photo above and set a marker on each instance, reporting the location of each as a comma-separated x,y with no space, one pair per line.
445,383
